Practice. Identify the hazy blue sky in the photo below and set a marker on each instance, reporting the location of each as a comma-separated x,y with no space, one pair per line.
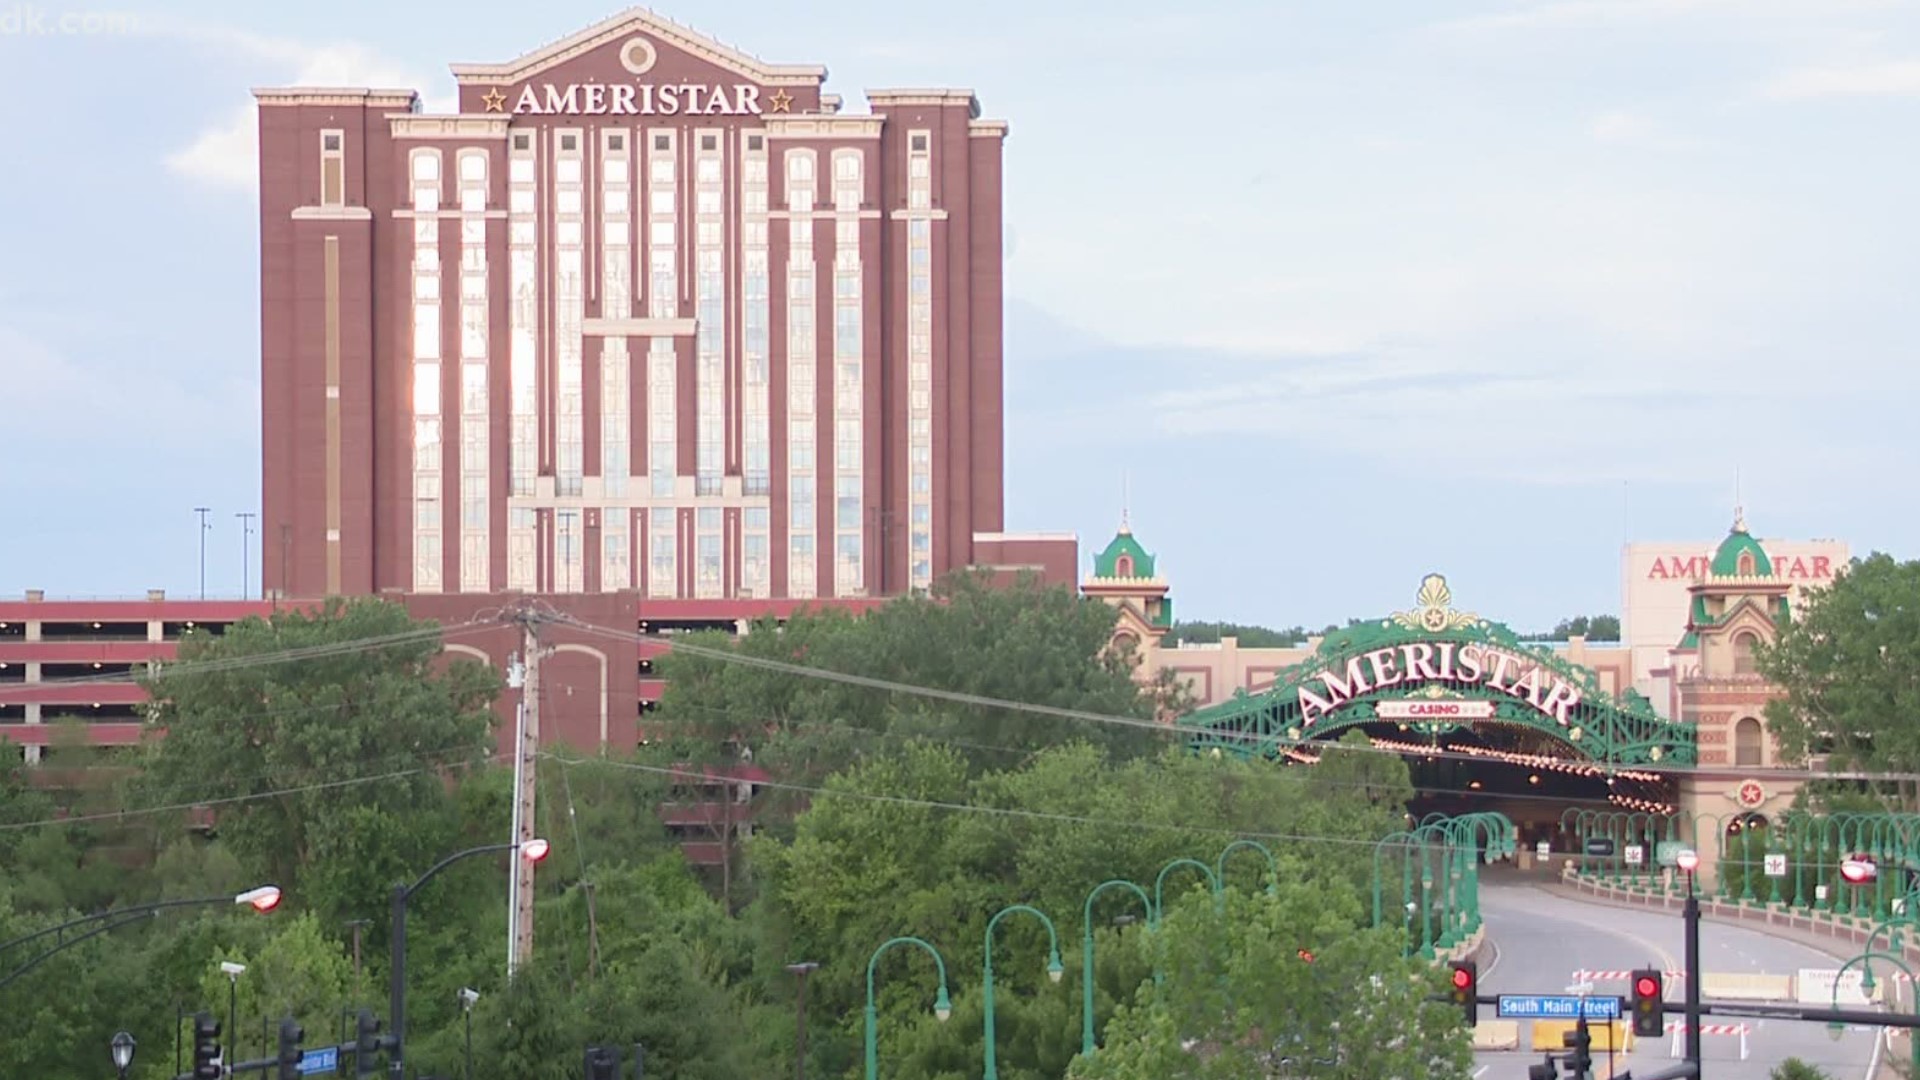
1351,291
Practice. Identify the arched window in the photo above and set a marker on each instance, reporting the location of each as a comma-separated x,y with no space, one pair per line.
1123,566
800,166
1743,646
1746,741
1746,564
1126,644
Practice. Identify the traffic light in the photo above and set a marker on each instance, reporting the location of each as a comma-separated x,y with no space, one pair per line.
291,1035
1579,1063
1466,988
366,1045
1649,992
603,1063
206,1047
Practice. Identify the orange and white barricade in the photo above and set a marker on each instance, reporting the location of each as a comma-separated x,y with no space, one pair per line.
1679,1029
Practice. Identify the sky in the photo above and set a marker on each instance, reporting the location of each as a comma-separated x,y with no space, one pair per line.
1324,297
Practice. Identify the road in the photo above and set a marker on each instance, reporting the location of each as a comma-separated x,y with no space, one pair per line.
1541,938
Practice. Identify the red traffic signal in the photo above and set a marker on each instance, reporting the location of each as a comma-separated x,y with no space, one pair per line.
1649,1009
1466,989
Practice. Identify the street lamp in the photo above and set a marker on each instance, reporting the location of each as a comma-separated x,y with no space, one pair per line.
263,899
233,972
1054,972
1273,864
1689,861
532,851
800,972
942,1008
1159,902
1086,955
122,1047
468,996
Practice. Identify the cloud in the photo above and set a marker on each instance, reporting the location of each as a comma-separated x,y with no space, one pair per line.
225,153
1591,14
1620,127
1891,78
139,405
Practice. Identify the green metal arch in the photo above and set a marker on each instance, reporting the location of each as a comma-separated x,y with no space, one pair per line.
1601,727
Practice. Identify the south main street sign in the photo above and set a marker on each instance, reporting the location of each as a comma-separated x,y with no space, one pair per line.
1552,1007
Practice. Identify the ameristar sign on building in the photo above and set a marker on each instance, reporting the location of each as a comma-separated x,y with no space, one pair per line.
1442,661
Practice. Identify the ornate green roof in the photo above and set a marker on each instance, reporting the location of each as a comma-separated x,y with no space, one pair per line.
1726,561
1107,563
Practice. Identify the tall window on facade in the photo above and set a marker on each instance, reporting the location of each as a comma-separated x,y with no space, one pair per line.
476,419
802,415
849,378
523,327
428,518
333,168
710,317
920,360
1744,644
1747,736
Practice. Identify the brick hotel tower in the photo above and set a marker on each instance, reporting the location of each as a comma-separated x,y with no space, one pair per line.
646,314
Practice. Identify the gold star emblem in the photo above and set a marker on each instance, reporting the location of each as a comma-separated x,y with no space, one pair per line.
496,101
782,101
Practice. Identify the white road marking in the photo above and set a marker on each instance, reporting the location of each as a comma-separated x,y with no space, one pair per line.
1481,1071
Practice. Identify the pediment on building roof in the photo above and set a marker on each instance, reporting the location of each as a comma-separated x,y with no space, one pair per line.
639,64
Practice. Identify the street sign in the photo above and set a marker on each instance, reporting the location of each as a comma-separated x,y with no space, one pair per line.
1776,864
324,1060
1557,1007
1667,852
1543,849
1599,845
1635,854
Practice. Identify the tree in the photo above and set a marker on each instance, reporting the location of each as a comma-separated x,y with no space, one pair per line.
1593,628
1240,1000
321,739
1848,669
1795,1069
1250,637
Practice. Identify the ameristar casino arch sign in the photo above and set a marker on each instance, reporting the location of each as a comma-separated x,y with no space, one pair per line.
1435,669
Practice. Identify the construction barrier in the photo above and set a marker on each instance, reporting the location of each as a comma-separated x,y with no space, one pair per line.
1726,986
1614,1035
1619,976
1496,1035
1679,1029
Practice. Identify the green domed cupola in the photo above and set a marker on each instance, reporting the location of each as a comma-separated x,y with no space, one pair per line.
1740,555
1124,559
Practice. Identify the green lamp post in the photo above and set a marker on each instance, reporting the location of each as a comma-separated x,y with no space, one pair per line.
1086,955
1054,971
1159,882
1273,864
942,1008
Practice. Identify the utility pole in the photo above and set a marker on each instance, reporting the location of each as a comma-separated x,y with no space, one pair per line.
526,748
203,511
246,533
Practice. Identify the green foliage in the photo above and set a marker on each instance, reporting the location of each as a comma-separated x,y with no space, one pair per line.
1795,1069
1238,1000
282,743
1250,637
354,764
1593,628
1849,666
